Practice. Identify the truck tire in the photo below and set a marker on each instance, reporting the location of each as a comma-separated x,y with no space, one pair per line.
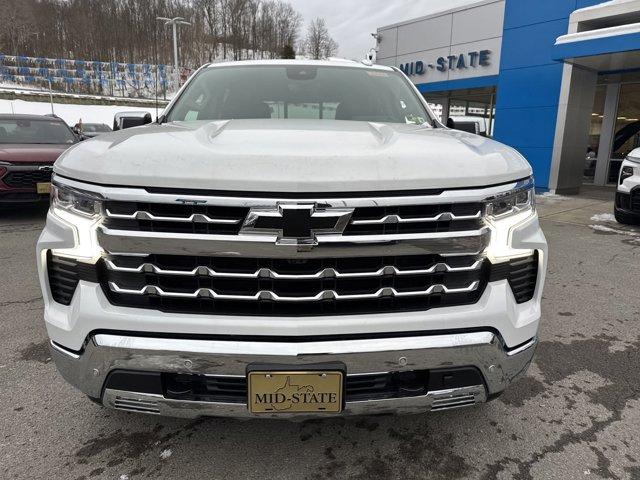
625,218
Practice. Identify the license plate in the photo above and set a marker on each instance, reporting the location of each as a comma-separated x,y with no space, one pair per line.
295,392
44,187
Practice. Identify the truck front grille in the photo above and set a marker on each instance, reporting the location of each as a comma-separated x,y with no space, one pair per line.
222,220
415,219
174,218
26,178
263,286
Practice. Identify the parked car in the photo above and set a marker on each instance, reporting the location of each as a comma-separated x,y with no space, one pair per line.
239,258
91,130
29,144
471,124
627,206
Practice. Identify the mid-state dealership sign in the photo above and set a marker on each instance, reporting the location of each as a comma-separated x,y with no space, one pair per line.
452,62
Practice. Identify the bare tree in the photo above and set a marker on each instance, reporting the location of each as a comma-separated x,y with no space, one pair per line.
318,43
124,30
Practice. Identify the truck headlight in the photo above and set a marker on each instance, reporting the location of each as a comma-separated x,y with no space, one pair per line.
506,212
82,211
513,202
78,202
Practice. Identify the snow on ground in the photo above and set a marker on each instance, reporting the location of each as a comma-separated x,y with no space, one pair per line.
548,197
602,228
165,454
71,113
604,217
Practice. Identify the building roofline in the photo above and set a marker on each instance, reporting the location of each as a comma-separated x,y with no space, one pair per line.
441,13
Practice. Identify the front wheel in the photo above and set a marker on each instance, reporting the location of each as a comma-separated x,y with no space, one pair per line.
626,219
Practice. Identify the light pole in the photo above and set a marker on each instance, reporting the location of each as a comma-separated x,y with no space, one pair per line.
174,23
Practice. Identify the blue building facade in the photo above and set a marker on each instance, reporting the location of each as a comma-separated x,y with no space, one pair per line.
549,59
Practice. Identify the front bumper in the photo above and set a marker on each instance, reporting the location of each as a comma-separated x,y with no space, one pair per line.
106,352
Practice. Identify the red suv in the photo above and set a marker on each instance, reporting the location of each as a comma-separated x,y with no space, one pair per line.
29,144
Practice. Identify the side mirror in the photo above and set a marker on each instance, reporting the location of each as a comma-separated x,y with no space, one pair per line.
123,120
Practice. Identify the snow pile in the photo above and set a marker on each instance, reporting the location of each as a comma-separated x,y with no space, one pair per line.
551,197
603,217
72,113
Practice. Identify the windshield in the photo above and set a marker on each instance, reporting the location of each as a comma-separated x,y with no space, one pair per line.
95,127
299,92
35,131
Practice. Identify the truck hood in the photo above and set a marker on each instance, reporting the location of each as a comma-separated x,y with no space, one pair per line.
30,153
292,156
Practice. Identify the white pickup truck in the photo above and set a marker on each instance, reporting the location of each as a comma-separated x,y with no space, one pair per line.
292,238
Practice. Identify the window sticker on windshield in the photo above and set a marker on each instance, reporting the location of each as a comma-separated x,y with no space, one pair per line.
191,115
414,119
377,74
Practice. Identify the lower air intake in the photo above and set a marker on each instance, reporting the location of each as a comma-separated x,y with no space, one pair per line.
133,404
63,278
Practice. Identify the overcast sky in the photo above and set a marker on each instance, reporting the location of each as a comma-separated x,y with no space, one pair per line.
351,22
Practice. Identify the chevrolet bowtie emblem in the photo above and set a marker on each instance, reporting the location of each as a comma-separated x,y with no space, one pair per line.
296,223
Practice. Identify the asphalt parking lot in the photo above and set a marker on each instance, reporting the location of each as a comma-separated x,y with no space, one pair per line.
576,414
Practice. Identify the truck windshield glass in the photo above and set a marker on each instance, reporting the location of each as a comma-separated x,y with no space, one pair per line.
299,92
35,132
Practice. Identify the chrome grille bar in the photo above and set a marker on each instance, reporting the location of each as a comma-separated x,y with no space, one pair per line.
441,217
193,218
269,295
470,242
269,273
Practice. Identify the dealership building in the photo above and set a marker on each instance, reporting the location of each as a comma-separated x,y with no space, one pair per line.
559,80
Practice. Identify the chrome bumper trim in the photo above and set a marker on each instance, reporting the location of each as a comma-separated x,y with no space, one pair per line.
106,352
471,242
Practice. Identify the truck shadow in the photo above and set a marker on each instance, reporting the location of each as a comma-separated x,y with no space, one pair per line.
23,212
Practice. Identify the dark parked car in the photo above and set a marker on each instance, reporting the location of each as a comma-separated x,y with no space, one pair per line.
91,130
29,145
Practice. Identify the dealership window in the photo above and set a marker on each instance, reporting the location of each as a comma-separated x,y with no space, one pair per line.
471,110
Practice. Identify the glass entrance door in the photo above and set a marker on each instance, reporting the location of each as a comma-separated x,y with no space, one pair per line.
626,135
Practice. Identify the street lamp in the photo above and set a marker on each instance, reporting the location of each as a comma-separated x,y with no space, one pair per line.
174,23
